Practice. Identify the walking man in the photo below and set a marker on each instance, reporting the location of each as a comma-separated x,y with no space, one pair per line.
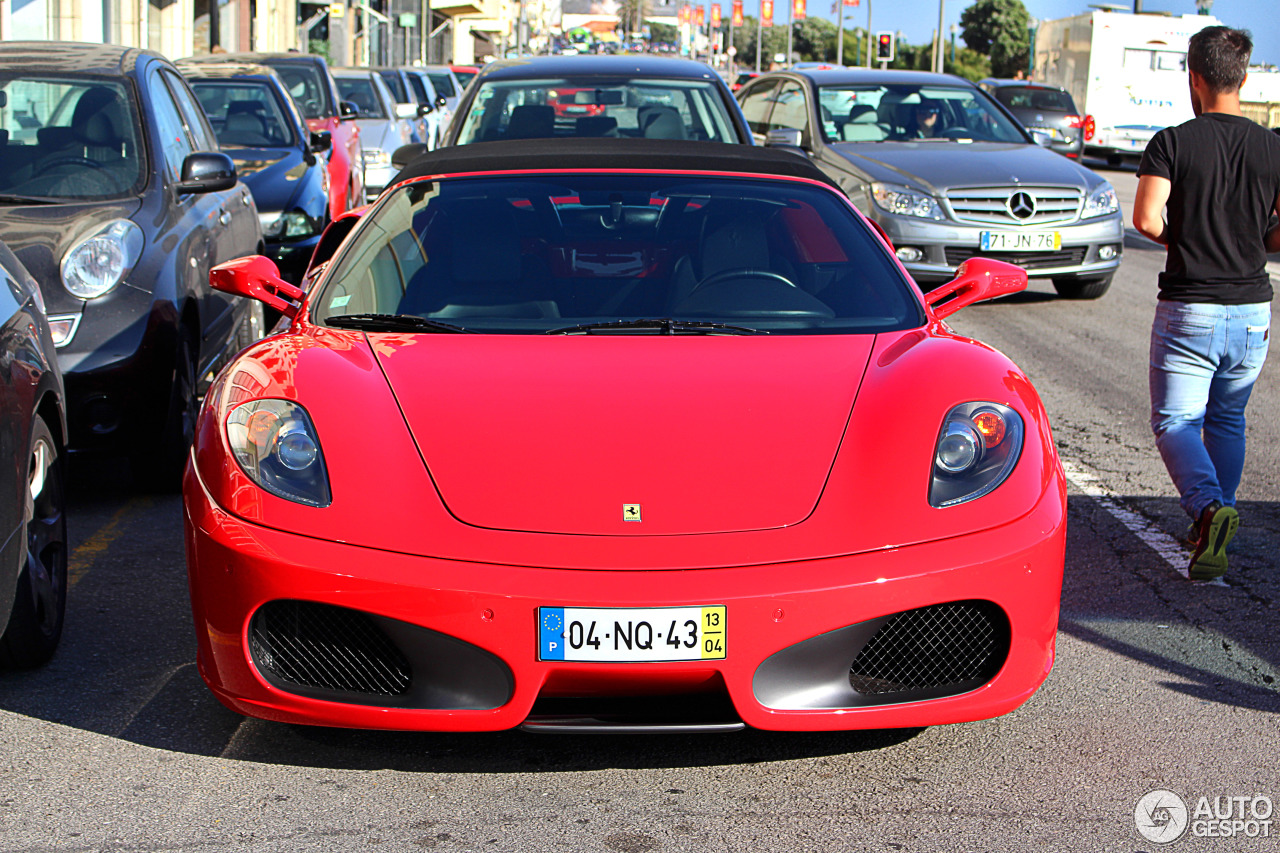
1219,174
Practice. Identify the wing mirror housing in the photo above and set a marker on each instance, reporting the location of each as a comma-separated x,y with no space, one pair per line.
1041,138
976,279
441,100
785,137
407,111
207,172
406,154
257,278
321,141
425,110
347,110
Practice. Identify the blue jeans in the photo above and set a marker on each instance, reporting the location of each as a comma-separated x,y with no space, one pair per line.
1204,361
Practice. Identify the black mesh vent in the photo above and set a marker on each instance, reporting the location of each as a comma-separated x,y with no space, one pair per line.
325,647
1071,257
944,645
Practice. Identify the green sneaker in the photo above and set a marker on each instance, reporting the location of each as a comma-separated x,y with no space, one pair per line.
1216,526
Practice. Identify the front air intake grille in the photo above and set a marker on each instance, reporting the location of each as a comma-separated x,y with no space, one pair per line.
304,644
960,645
1069,257
1016,205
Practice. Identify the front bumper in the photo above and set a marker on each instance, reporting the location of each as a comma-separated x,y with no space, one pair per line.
483,617
945,245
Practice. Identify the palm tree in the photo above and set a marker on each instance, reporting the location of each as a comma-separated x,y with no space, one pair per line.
631,14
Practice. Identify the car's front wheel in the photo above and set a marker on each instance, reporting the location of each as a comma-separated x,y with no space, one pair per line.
35,624
1081,288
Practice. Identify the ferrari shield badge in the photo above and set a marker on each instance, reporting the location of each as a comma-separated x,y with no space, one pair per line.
631,512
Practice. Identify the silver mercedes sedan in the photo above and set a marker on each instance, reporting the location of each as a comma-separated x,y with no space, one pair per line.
946,171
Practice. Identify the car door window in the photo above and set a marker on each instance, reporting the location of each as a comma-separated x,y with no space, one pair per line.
790,109
175,144
756,105
193,116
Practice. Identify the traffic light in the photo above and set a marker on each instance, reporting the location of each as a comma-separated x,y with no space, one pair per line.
884,47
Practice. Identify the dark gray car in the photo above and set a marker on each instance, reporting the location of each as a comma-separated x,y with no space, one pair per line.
1045,108
946,172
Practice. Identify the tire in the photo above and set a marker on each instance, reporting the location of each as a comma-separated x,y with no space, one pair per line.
157,467
1081,288
39,607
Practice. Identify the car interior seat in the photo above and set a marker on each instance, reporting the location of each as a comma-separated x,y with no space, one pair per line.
862,126
596,126
243,124
531,121
657,122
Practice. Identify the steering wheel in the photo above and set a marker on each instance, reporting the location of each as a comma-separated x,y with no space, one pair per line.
71,160
727,275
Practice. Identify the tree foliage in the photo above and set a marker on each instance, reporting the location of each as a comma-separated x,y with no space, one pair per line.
999,29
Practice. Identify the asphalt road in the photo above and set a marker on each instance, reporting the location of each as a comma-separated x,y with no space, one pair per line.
1159,684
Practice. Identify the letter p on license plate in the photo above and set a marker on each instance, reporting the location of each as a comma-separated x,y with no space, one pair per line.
631,634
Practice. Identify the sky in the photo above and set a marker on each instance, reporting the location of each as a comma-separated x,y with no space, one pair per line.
916,19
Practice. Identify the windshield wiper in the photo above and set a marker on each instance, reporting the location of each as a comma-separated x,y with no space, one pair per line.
661,325
6,198
391,323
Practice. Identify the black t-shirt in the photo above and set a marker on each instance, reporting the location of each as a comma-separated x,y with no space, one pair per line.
1225,172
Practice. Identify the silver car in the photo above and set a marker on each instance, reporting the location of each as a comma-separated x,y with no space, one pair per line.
381,130
946,172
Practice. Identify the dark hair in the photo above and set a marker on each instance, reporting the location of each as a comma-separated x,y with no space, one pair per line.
1220,55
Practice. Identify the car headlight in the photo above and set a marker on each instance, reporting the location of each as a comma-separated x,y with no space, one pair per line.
286,226
376,158
100,262
977,448
1100,202
276,445
904,201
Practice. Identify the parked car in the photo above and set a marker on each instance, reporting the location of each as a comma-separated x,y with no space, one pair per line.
441,115
621,418
743,78
117,199
33,522
947,173
657,98
1038,106
446,85
280,160
381,130
464,74
309,81
406,102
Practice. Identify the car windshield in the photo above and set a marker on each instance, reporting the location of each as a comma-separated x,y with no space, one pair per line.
442,82
600,254
307,86
464,76
360,91
869,113
396,85
244,115
69,137
585,106
1035,98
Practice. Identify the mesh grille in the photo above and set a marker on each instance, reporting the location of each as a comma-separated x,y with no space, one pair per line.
936,646
326,647
990,205
1071,257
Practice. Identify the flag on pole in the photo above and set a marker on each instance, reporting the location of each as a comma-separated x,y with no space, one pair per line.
715,16
737,13
797,10
766,13
700,16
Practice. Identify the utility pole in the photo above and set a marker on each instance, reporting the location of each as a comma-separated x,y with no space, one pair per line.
870,54
791,29
940,50
840,35
759,34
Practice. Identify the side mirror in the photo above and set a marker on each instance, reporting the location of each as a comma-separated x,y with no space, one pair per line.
976,279
321,141
407,111
206,172
784,137
257,278
406,154
441,100
425,110
1043,139
348,110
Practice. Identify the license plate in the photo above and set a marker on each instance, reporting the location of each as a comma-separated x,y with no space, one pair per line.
631,634
1014,241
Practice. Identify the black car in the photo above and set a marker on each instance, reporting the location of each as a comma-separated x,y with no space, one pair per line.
1045,108
33,525
278,158
625,96
115,196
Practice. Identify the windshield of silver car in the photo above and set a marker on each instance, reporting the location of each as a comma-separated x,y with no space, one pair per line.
68,137
899,113
631,254
590,106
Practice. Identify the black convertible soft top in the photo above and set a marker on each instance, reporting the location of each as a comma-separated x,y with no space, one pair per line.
638,154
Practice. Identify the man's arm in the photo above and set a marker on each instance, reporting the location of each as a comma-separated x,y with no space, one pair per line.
1273,236
1148,208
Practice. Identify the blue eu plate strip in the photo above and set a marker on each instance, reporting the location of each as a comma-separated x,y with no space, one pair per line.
551,633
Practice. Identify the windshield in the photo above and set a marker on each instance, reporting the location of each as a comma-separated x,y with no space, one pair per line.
905,112
244,115
589,106
396,85
464,76
307,86
442,83
1035,98
360,91
533,255
69,137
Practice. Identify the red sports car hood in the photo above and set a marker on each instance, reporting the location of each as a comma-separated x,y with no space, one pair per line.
628,435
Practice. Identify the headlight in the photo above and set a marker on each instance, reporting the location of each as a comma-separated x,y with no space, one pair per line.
99,263
1101,202
977,448
286,226
892,198
276,445
375,158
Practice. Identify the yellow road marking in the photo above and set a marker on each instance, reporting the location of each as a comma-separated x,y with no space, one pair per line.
83,557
